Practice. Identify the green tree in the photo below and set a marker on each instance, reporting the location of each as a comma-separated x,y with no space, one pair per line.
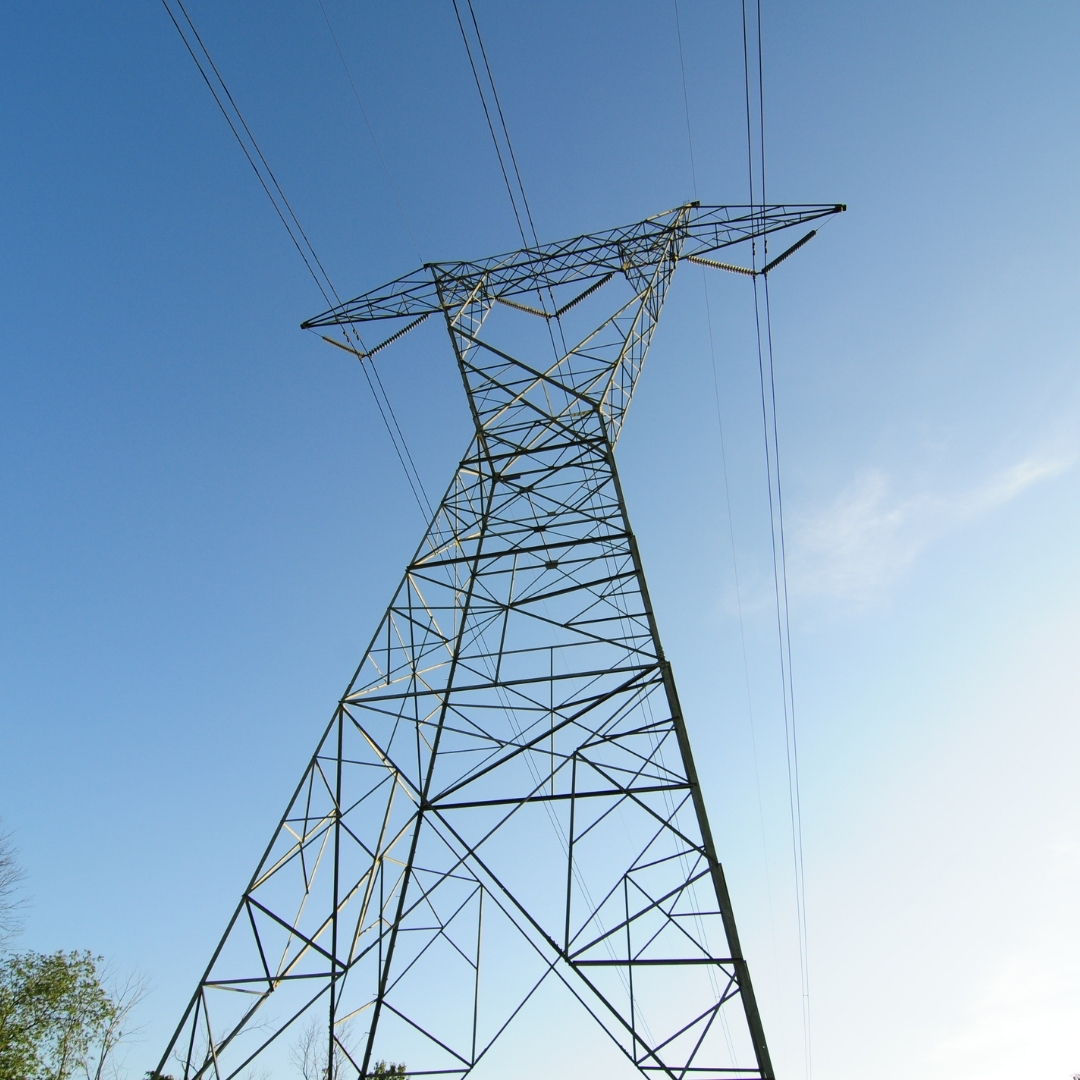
57,1018
54,1016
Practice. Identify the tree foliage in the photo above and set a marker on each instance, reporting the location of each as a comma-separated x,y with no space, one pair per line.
54,1013
57,1018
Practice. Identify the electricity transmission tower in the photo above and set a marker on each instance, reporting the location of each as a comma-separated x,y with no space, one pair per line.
505,798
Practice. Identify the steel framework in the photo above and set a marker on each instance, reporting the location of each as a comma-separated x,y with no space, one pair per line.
505,795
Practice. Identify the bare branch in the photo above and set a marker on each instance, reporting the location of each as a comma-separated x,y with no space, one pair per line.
125,995
11,905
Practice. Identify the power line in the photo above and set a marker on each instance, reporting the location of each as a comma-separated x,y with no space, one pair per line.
244,136
490,123
502,121
284,209
730,516
776,513
426,505
795,797
421,497
520,186
370,130
686,111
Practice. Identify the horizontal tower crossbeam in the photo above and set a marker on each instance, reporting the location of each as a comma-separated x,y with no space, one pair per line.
695,229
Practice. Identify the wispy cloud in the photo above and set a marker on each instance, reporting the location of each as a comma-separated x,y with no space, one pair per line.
1010,483
869,535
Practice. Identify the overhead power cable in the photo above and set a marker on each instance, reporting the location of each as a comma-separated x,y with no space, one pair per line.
762,310
768,391
723,459
370,130
703,262
515,191
250,147
499,151
686,104
198,51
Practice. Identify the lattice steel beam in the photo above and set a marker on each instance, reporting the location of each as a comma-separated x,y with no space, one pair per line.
505,795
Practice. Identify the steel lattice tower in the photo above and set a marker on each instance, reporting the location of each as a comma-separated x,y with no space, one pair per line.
505,794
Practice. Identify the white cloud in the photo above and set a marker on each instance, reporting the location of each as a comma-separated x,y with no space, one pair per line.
869,535
1010,483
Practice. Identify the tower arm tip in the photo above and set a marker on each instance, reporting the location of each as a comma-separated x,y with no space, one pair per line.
713,227
412,295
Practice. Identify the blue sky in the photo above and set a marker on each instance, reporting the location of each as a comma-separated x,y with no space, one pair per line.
203,518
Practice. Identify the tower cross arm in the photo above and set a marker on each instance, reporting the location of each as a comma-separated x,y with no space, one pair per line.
711,228
690,229
409,296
